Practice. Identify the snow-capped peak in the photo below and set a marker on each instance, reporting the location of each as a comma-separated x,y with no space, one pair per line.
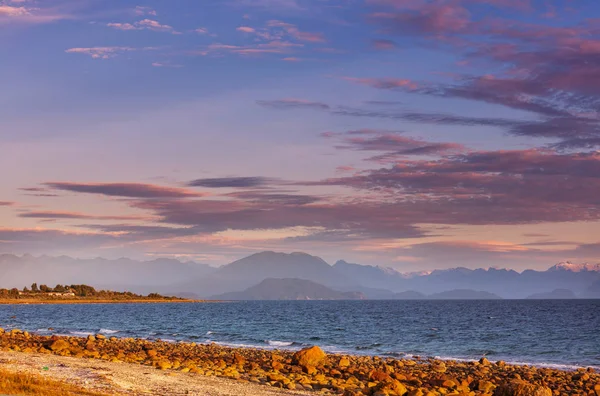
573,267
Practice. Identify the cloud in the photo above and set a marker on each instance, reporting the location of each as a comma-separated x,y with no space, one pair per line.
140,10
245,29
128,190
384,83
145,24
76,216
291,103
232,182
24,14
10,11
6,203
100,52
281,199
271,4
272,47
382,44
540,68
296,33
392,145
163,64
39,240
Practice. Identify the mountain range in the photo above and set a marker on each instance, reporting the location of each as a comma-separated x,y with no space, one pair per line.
169,276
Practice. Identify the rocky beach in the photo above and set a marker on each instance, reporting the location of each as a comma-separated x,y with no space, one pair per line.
306,371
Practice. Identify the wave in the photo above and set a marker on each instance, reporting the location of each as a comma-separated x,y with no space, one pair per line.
280,343
556,366
209,332
108,331
81,333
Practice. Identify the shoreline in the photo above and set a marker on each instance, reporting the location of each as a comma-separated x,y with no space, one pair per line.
310,369
90,301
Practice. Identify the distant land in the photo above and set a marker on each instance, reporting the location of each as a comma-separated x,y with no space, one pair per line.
196,280
464,294
299,289
73,294
558,294
290,289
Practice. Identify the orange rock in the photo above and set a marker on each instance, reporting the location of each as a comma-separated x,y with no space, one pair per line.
380,376
310,357
521,388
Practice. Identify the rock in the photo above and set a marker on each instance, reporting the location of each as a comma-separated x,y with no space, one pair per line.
164,365
310,357
59,345
522,388
483,361
379,376
344,362
485,386
438,367
100,337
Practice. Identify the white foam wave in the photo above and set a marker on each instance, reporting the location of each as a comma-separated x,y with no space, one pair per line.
556,366
279,343
80,333
209,332
108,331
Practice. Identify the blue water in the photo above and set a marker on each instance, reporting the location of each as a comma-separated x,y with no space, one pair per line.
559,334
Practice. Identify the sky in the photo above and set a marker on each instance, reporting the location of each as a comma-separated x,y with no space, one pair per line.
413,134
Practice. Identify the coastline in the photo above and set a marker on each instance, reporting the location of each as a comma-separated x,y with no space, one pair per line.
308,370
98,301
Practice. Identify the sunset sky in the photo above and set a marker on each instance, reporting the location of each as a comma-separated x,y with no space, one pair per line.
415,134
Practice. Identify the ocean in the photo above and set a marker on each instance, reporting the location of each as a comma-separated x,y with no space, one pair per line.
561,334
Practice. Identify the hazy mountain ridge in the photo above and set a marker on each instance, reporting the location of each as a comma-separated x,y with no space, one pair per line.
172,276
289,289
116,274
557,294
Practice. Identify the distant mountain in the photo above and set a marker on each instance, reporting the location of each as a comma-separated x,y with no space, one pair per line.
174,277
253,269
121,274
557,294
289,289
409,295
593,291
572,267
464,294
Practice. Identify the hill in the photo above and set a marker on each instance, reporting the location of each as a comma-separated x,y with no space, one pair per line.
289,289
375,282
464,294
120,274
409,295
593,291
557,294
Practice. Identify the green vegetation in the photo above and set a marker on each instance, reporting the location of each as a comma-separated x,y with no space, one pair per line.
74,292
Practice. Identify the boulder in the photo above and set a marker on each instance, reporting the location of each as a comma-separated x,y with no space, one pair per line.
310,357
59,345
521,388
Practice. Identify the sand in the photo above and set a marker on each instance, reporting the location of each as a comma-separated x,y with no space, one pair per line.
130,379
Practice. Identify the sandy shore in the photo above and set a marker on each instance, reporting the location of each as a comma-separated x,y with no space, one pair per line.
129,379
136,366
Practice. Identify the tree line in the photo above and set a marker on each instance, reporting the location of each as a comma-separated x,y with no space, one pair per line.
82,291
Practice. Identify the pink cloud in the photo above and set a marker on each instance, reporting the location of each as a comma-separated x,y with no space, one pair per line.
245,29
140,10
145,24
